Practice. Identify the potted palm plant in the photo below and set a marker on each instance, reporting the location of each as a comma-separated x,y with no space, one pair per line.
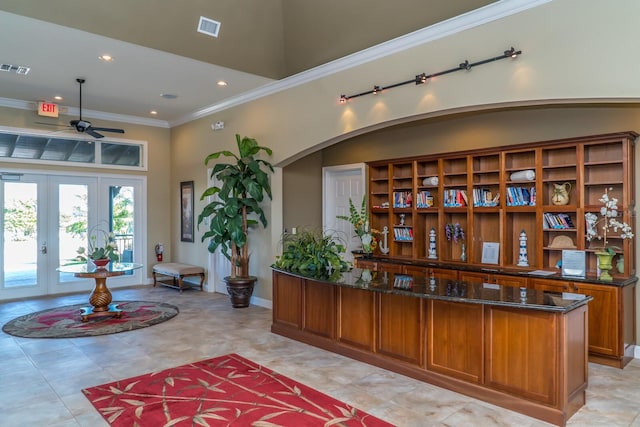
235,209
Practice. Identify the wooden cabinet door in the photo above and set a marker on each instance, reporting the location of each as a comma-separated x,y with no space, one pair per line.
549,285
362,263
415,270
356,317
474,277
442,273
525,362
389,267
515,281
604,326
399,326
454,340
287,300
319,315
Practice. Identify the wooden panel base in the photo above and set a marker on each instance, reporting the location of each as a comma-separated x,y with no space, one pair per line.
527,360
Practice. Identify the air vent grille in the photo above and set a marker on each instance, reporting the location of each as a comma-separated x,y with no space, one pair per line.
18,69
208,26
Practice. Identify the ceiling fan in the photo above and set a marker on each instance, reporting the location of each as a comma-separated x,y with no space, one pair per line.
85,126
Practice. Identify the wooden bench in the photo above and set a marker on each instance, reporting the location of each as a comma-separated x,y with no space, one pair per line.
177,272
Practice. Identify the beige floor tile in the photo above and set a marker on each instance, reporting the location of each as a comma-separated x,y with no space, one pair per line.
40,379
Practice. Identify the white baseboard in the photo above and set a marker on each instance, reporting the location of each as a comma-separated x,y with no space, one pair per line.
636,352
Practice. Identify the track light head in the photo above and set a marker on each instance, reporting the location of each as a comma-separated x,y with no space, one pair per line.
343,99
465,65
376,89
512,52
421,78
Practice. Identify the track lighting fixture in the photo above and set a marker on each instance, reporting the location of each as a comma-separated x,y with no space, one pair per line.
512,52
423,77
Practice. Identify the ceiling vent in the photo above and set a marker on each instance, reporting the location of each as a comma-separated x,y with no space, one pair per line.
208,26
18,69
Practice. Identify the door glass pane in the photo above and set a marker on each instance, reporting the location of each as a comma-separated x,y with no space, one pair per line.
73,218
122,223
20,234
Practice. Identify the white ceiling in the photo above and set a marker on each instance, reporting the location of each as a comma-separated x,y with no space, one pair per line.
130,86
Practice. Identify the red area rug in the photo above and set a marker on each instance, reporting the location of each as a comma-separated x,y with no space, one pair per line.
224,391
65,322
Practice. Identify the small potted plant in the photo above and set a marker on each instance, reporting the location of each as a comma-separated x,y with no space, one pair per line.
101,248
235,209
607,222
359,219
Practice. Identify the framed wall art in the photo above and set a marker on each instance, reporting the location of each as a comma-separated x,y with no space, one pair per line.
186,210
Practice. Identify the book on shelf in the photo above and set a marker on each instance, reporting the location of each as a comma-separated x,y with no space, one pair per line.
483,197
402,199
560,221
424,199
521,196
454,198
403,233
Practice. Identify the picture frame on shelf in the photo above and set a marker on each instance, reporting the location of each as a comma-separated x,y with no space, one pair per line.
490,252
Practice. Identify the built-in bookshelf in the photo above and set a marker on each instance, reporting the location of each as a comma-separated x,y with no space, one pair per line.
496,194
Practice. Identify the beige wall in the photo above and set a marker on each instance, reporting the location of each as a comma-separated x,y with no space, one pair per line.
159,183
574,52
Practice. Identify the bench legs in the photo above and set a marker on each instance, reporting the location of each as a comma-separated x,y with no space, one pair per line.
178,282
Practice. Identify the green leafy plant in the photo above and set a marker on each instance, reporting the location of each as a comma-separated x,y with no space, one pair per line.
310,251
244,184
358,218
101,245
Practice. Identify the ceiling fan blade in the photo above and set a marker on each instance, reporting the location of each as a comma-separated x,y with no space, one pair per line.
108,129
91,131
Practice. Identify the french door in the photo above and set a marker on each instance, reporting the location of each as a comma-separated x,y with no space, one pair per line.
45,220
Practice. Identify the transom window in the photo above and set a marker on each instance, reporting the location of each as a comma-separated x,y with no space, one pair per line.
23,145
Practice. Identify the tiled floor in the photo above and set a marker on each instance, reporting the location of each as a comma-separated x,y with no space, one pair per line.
41,379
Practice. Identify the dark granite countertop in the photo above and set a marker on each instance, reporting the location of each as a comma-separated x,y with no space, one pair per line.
520,272
450,290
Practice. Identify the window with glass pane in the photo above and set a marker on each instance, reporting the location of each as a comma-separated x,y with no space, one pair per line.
122,220
73,218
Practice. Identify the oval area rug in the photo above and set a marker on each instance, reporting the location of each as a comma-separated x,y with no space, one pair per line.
65,322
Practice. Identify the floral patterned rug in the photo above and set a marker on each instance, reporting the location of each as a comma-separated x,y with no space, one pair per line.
224,391
65,322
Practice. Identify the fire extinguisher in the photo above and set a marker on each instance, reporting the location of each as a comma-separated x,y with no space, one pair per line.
159,250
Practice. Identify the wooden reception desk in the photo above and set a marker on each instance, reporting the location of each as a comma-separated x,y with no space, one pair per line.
522,349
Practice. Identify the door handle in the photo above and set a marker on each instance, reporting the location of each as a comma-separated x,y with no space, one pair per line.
43,248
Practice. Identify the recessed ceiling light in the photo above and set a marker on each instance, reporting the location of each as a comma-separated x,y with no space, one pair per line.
58,98
153,112
168,96
221,83
105,58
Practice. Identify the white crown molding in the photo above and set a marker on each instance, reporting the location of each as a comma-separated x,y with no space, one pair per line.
93,114
437,31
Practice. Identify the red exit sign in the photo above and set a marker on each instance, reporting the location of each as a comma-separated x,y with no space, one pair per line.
48,109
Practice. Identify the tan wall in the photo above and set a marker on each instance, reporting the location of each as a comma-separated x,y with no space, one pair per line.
573,53
158,216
